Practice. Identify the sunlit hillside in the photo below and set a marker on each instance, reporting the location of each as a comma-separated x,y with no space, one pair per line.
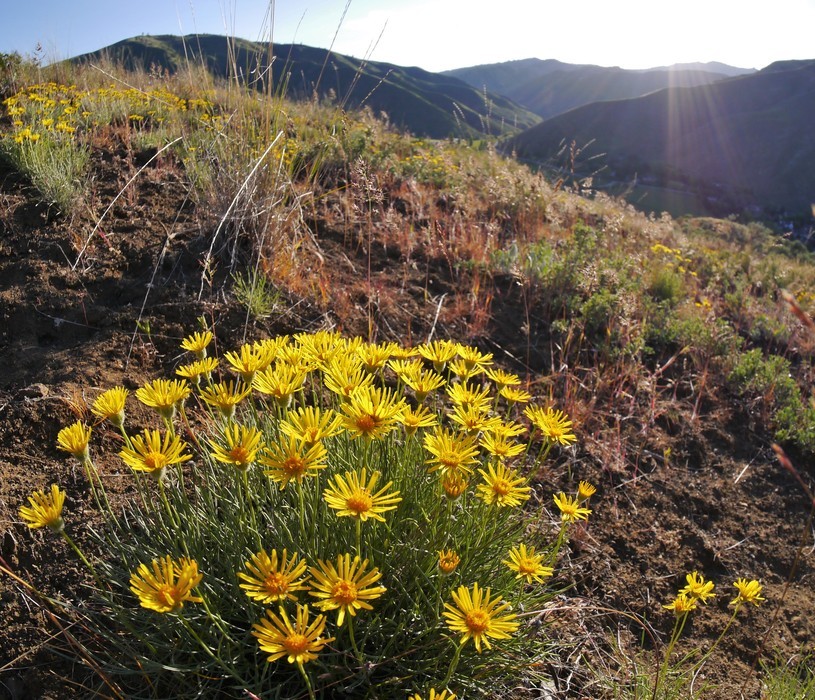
296,404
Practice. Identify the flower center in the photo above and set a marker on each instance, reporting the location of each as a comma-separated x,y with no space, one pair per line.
477,621
239,454
276,583
569,509
294,466
366,423
359,502
169,596
501,487
527,566
344,592
296,644
155,460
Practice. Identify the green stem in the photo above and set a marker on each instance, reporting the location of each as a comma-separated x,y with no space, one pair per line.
359,537
453,665
561,538
301,494
230,671
720,637
217,621
167,507
250,503
76,549
353,641
125,436
679,625
303,673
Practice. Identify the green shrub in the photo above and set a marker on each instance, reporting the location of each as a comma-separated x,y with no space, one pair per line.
667,286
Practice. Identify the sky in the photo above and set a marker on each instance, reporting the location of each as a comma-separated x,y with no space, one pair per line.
440,34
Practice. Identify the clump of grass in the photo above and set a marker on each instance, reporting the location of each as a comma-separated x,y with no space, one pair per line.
354,508
256,294
55,165
789,681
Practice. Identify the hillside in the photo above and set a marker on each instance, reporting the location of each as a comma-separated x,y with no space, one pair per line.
266,359
426,104
742,144
550,87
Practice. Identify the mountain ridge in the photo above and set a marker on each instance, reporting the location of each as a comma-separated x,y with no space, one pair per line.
424,103
740,144
550,87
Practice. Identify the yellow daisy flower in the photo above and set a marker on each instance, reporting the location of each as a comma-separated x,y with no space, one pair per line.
225,396
424,383
448,561
310,424
478,616
372,412
514,395
404,353
585,491
748,592
299,643
280,381
249,360
150,453
439,352
503,487
345,374
374,356
454,484
163,395
463,370
697,587
443,695
110,405
406,369
274,579
501,446
197,343
472,419
570,509
351,495
45,510
293,460
195,370
452,451
555,426
167,584
421,417
466,396
242,446
681,604
345,587
74,439
473,358
318,348
501,378
527,564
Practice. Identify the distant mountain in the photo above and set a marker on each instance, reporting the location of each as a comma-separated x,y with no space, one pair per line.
551,87
426,104
709,67
740,143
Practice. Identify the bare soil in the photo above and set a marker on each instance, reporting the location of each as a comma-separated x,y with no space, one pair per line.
677,492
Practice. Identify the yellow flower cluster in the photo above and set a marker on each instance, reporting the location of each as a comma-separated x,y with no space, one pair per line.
675,258
64,110
697,590
445,399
